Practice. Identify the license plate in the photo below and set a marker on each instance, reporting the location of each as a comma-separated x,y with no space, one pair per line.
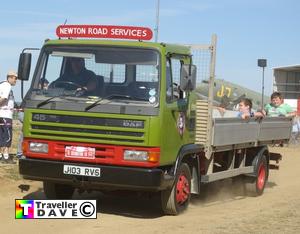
80,152
83,171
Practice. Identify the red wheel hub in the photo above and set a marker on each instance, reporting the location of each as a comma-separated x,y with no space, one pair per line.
261,178
182,189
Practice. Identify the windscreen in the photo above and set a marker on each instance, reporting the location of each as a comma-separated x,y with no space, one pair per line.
98,73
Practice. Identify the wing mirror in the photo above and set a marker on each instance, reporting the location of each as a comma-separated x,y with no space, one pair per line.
24,66
188,77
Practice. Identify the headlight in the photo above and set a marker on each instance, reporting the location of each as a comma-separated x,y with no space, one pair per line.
134,155
38,147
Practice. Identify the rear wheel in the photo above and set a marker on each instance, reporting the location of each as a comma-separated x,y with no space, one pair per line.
57,191
256,186
177,198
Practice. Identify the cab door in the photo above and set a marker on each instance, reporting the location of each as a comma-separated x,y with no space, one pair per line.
174,130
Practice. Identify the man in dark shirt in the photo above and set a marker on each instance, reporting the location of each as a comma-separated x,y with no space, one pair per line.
77,76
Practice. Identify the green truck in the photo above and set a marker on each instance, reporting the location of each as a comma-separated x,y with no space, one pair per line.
142,128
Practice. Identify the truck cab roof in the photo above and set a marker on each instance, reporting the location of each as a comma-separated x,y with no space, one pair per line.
167,47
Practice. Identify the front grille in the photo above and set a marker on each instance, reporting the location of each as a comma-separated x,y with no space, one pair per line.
86,120
97,131
87,129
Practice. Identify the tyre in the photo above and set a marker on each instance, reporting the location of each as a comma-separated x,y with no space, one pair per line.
176,199
256,186
57,191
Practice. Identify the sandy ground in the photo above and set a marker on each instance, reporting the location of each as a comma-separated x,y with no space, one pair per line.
223,210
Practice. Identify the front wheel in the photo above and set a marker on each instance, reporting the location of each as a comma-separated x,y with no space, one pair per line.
256,186
176,199
57,191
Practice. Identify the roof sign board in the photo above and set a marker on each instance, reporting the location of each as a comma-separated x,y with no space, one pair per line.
104,31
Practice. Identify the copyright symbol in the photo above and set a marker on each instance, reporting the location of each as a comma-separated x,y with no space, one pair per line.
87,209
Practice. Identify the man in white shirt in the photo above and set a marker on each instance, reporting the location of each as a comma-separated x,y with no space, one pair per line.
6,113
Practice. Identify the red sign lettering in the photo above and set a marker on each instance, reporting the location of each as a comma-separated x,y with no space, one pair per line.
104,31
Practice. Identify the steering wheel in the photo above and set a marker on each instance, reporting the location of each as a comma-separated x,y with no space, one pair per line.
69,85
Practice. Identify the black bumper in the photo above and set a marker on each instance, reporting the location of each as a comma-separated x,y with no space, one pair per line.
112,177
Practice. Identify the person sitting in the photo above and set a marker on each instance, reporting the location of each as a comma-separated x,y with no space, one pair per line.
43,84
245,108
77,76
277,107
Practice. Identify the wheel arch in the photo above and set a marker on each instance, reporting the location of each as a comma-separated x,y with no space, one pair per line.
184,155
189,154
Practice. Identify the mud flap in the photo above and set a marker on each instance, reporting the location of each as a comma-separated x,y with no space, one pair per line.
274,160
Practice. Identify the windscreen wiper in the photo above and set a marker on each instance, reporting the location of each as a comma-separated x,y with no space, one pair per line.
45,102
108,98
93,104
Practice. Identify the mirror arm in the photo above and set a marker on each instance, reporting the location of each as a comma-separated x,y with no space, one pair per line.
190,67
23,51
22,89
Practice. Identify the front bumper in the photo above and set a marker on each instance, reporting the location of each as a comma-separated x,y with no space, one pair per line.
112,177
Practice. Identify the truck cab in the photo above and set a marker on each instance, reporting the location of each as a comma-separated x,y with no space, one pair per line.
126,133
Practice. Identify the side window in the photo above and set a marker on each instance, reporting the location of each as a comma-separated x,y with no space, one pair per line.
173,67
169,88
176,66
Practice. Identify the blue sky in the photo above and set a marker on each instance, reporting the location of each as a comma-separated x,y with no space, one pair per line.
246,29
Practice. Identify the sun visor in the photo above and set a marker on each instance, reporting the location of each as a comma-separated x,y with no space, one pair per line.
123,56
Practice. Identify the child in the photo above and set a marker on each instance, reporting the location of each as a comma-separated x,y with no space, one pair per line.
245,107
277,107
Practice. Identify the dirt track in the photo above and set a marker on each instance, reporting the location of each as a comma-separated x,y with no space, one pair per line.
223,210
